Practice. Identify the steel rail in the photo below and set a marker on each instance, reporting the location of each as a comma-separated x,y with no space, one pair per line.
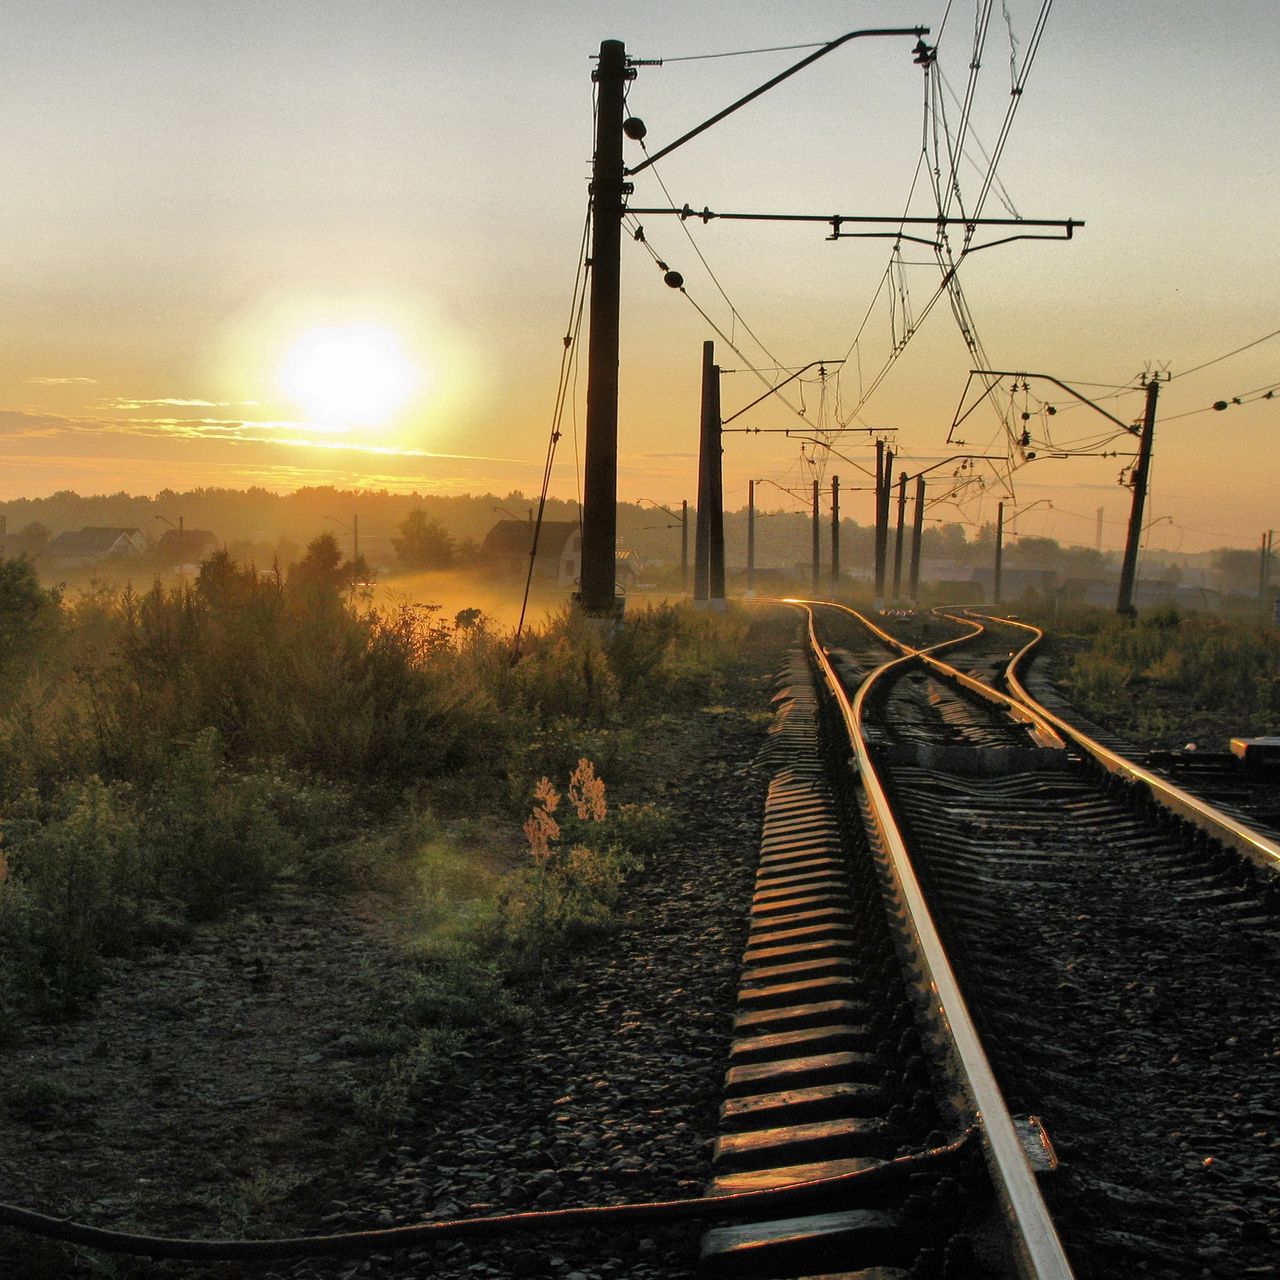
1038,1252
1258,848
1039,724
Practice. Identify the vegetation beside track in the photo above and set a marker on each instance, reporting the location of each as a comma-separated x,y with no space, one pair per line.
166,757
1168,678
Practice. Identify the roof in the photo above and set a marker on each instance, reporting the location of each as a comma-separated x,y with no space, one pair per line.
93,541
515,537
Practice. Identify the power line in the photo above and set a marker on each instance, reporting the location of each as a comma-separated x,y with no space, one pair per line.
1217,359
740,53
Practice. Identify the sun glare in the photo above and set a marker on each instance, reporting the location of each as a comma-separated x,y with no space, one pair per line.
354,374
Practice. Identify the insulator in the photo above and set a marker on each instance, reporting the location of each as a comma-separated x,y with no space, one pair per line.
1051,410
1219,405
634,128
674,280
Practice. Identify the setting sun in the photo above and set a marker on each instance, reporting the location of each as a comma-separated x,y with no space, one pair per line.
350,374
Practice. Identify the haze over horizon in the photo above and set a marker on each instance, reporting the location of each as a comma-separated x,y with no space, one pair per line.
320,242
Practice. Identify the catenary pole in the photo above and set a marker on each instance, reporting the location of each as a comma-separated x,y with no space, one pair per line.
600,478
1141,474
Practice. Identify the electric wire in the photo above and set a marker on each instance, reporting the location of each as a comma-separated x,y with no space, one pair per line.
741,53
684,226
639,236
567,377
1218,359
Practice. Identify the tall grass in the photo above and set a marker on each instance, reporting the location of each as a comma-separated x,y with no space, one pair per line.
167,754
1194,662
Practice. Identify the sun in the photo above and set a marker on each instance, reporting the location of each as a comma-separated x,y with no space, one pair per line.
350,374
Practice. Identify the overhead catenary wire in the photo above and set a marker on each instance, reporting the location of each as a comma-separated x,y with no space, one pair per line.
1275,333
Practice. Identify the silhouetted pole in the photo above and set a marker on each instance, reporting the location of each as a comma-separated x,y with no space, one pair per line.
835,533
684,544
884,472
355,537
897,546
1129,569
751,537
708,556
917,537
600,488
1264,569
715,583
817,542
995,588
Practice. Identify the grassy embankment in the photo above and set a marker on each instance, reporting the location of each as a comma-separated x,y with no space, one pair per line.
168,757
1167,678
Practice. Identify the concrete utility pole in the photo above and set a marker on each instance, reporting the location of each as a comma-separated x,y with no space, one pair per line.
708,555
835,533
1141,472
999,565
917,537
600,487
751,538
884,482
897,546
817,542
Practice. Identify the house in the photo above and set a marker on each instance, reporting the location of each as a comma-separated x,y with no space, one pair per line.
94,543
506,548
507,545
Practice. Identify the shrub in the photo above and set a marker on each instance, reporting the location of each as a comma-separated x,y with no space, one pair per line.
216,838
75,889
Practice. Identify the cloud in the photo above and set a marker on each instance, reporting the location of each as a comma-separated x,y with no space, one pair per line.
177,403
60,382
296,435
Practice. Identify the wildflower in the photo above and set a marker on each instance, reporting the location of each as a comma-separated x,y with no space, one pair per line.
586,792
541,829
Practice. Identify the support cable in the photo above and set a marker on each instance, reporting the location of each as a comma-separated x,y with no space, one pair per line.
568,373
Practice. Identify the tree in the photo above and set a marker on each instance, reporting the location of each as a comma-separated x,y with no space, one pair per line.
1237,571
424,543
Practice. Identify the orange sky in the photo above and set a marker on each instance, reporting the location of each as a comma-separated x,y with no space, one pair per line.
195,188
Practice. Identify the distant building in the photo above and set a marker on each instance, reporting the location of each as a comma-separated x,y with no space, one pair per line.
507,545
1015,583
90,545
506,548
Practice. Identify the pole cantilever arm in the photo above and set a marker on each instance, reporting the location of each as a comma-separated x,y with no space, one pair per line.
918,32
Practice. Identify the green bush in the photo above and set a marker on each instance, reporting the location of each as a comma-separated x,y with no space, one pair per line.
75,889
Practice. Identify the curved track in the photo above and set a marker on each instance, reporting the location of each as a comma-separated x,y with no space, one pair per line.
1121,960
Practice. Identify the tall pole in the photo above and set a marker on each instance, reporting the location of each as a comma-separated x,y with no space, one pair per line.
897,546
355,537
715,440
708,555
995,587
1141,471
917,536
884,473
684,544
751,537
817,542
600,489
835,533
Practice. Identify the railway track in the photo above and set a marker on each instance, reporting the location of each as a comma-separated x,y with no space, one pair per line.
839,1063
1119,959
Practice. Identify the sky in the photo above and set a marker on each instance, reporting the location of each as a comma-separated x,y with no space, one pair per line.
322,242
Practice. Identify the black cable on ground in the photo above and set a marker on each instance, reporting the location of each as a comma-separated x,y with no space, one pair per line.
739,1205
